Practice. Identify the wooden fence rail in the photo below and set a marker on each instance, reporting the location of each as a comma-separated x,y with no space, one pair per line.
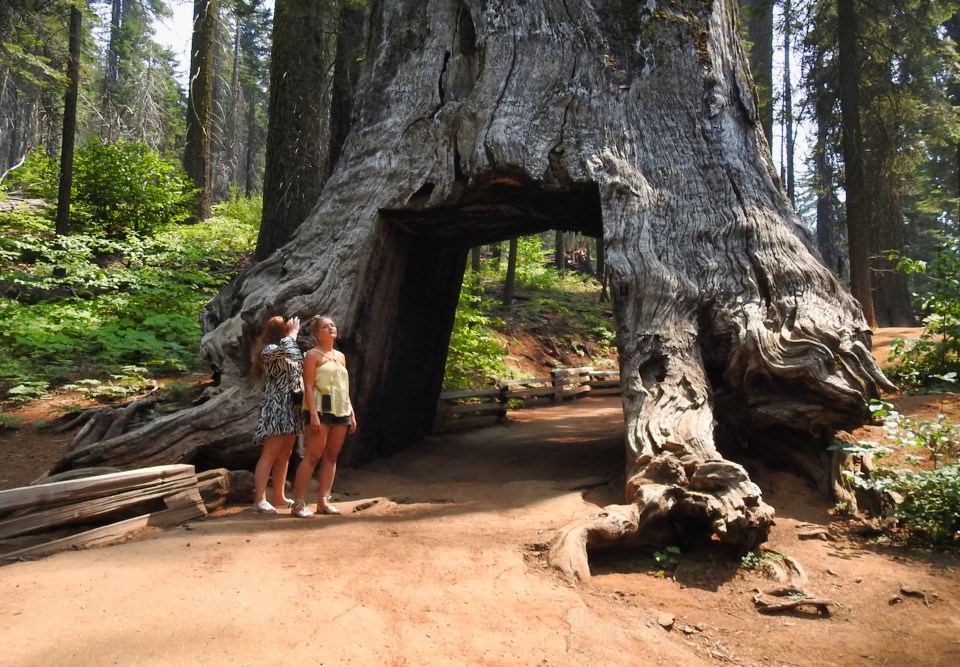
459,410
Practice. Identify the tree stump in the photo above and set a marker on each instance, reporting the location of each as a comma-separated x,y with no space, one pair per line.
634,122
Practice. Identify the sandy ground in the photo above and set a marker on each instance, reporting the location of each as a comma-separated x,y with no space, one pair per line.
438,560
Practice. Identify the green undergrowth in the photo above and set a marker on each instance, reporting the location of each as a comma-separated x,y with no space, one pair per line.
916,475
104,315
561,309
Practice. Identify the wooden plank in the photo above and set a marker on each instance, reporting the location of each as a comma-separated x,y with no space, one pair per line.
598,384
515,383
109,533
90,509
90,487
605,374
527,393
612,391
190,498
573,391
471,407
571,380
475,393
565,372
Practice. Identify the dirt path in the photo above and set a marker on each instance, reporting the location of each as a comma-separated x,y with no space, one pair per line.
438,564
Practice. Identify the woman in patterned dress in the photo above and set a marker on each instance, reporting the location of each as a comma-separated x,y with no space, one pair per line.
329,415
278,363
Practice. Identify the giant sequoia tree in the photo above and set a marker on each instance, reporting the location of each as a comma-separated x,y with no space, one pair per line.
632,122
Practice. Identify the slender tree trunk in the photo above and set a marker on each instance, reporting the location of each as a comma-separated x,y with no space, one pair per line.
788,135
892,301
759,17
197,152
510,282
252,143
829,232
69,123
858,225
298,136
234,132
559,256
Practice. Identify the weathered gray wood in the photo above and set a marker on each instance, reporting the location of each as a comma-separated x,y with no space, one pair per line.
89,510
521,382
91,487
470,393
635,122
110,533
468,408
566,372
221,430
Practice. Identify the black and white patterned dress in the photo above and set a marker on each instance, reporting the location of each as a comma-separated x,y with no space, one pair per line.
280,406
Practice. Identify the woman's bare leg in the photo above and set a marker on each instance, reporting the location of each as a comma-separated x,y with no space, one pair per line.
316,443
273,448
279,473
328,463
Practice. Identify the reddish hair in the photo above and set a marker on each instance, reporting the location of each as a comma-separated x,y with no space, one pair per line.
273,331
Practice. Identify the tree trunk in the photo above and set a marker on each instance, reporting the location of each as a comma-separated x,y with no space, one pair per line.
486,120
196,155
298,135
69,123
891,300
830,237
559,254
759,19
788,138
351,43
250,171
510,281
858,225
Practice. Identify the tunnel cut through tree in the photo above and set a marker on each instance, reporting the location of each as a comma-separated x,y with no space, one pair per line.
482,120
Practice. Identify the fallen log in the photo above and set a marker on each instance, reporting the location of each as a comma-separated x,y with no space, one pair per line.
787,598
56,505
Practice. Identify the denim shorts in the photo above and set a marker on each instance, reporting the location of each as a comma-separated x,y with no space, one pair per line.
329,418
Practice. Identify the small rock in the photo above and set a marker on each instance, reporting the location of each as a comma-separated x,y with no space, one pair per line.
666,621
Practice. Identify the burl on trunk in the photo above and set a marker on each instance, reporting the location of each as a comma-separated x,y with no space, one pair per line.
631,121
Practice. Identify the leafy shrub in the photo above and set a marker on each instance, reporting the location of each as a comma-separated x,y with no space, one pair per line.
127,188
937,351
928,506
475,356
532,269
120,189
38,176
930,509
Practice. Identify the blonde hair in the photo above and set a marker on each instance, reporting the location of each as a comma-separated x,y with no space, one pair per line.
316,319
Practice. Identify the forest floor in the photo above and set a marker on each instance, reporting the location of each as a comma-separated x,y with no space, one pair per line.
438,560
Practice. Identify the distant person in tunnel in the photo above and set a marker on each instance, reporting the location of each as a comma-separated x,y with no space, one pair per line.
329,415
278,363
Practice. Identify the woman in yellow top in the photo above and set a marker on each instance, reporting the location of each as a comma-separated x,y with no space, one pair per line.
326,399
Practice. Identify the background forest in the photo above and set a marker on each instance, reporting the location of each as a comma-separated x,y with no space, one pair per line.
128,197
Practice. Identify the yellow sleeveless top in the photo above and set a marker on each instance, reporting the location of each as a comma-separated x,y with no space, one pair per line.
331,380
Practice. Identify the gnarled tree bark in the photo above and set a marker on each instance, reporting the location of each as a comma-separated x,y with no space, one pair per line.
633,122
